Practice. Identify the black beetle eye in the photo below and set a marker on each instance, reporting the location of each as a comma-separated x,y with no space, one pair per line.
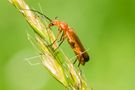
51,24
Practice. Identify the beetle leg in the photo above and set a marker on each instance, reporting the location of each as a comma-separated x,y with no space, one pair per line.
75,61
79,64
59,32
63,37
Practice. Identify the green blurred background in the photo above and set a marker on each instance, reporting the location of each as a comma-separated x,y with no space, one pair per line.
106,28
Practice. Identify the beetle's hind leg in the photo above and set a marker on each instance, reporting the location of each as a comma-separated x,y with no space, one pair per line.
75,61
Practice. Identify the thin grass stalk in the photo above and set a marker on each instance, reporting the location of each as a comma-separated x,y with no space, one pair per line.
57,63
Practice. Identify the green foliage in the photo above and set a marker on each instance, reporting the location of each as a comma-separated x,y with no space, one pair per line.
51,60
106,28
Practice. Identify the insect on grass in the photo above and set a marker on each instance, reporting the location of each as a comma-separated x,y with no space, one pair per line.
66,32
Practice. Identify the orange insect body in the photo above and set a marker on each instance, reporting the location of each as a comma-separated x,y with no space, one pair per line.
72,39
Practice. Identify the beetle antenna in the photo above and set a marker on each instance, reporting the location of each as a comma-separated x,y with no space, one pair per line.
40,14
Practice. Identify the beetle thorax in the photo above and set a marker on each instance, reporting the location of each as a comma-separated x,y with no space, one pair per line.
61,25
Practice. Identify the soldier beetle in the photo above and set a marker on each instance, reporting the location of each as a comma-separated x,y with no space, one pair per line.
69,34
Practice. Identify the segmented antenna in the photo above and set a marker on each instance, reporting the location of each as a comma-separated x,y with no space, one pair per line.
39,13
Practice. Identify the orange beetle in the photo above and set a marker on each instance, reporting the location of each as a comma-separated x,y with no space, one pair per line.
69,34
